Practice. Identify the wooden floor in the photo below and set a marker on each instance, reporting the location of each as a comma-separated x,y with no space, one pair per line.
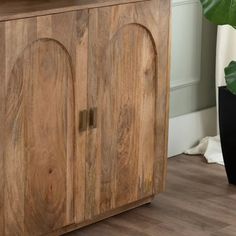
198,202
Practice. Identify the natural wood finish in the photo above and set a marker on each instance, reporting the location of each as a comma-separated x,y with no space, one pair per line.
39,141
109,60
124,140
81,71
18,9
39,155
2,128
163,90
198,201
103,216
124,89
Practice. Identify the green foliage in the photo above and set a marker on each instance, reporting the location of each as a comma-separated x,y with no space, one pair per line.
220,12
223,12
230,76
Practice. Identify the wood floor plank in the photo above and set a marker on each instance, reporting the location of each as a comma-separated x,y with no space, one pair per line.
228,231
198,202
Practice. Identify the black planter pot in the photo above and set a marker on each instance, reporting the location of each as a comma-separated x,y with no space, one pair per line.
227,122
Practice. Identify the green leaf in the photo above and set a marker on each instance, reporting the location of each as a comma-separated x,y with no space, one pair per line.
220,12
230,76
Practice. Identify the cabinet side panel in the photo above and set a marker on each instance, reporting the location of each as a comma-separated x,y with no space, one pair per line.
163,90
2,125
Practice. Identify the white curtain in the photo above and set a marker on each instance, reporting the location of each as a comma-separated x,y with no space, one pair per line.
225,52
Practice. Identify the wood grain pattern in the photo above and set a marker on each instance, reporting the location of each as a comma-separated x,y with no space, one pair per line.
2,127
81,104
41,150
16,36
163,91
126,101
114,58
123,84
18,9
101,217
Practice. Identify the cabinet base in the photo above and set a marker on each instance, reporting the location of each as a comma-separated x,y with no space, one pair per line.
101,217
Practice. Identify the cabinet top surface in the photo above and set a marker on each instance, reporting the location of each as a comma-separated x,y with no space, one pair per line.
17,9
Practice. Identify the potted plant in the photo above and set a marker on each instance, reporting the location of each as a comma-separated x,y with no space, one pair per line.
223,12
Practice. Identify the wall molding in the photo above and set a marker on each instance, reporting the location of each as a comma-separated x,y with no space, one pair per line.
179,84
183,2
187,130
194,79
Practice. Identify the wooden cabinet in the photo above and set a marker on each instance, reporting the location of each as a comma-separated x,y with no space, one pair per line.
83,111
43,95
123,87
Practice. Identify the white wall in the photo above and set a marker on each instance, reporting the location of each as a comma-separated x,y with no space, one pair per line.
187,130
193,59
192,77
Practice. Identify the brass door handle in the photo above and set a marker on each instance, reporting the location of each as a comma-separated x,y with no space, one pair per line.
93,118
83,118
87,119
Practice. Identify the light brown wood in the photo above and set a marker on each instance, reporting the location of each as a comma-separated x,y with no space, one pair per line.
18,9
81,69
124,79
163,90
103,216
40,80
39,140
111,62
2,128
198,202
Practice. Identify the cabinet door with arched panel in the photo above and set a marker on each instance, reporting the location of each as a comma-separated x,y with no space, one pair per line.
45,87
128,97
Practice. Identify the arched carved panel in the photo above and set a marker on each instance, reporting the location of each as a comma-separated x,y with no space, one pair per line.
127,96
39,141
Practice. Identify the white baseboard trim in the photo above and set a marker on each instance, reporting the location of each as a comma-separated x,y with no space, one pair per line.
187,130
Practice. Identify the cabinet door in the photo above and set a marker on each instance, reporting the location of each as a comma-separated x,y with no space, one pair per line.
42,81
127,141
